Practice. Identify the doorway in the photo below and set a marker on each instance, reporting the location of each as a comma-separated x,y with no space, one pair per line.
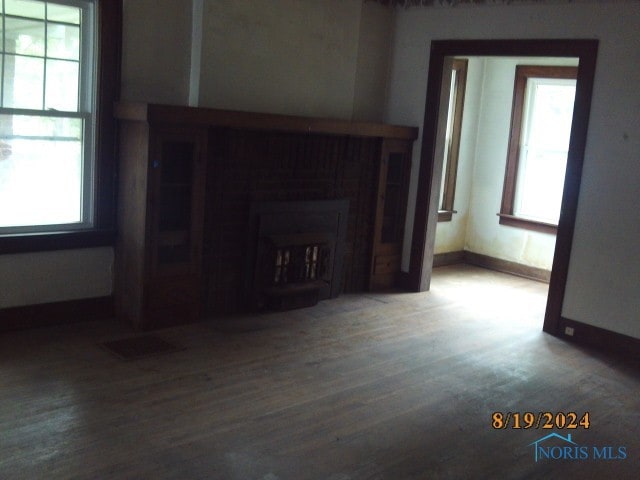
430,174
505,150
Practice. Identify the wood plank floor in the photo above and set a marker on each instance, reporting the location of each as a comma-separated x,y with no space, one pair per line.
375,386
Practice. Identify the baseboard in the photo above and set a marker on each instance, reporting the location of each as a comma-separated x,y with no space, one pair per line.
506,266
56,313
448,258
600,339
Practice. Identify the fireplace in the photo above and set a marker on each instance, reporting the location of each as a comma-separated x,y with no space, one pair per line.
296,253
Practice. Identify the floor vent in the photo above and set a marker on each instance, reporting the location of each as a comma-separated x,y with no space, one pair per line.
139,347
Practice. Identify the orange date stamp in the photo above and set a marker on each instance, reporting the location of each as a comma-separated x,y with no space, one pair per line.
539,420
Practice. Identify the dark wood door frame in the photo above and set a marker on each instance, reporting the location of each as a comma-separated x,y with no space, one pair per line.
421,257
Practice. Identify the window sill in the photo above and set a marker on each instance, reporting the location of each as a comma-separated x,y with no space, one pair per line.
445,215
527,224
38,242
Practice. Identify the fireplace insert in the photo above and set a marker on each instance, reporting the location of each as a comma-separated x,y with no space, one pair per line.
296,253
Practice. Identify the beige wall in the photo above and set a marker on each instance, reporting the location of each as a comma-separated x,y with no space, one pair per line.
281,56
156,51
603,284
372,69
299,57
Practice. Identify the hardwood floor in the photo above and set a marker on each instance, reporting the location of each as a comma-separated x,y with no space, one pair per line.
375,386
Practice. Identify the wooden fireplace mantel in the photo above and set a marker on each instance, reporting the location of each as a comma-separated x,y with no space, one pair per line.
155,113
188,178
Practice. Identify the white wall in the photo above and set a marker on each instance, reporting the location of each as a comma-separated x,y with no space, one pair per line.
42,277
372,68
605,263
280,56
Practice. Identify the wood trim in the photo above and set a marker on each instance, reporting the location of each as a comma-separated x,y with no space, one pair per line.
108,77
527,224
448,258
490,263
56,313
445,215
419,277
604,340
506,266
56,241
586,51
153,113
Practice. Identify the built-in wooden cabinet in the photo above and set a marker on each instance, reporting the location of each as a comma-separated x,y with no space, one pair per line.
391,206
178,163
162,173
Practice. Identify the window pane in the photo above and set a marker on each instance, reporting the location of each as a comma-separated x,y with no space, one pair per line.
539,192
447,140
543,154
25,37
63,41
24,8
62,85
61,13
551,117
23,78
40,170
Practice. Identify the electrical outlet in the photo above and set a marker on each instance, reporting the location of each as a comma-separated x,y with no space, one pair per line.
568,331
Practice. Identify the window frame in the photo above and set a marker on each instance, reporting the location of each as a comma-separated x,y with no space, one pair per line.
523,73
108,41
446,210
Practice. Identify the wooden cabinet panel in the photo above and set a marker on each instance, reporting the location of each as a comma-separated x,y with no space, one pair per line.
391,208
161,209
386,264
173,290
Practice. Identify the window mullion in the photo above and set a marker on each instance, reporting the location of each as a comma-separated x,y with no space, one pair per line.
46,48
44,113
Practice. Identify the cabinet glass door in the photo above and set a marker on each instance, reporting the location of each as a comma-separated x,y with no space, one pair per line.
393,209
174,201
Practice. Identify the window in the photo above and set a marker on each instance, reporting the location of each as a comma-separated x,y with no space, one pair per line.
56,128
538,147
46,119
452,139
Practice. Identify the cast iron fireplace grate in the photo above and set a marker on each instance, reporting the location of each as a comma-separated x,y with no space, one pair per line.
139,347
296,251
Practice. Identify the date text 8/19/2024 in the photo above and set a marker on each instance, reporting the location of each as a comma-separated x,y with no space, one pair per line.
540,420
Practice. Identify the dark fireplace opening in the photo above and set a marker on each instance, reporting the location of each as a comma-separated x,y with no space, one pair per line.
296,253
